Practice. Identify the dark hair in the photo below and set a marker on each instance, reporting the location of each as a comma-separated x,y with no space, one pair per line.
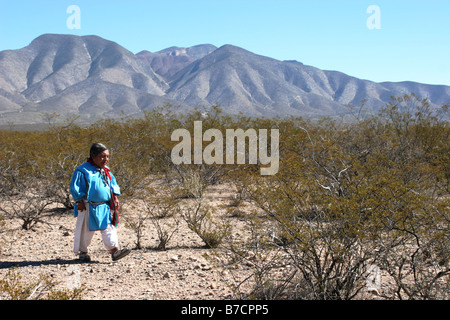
97,148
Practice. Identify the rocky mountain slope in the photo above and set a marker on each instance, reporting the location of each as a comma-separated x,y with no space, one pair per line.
97,78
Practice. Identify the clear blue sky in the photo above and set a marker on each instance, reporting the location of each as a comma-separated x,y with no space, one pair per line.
412,43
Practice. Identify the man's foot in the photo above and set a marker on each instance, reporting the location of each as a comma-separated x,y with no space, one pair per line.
84,257
119,254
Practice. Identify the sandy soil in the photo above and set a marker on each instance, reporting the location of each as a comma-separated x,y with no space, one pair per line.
183,271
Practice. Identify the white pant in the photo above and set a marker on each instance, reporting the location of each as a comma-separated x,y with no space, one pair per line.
83,236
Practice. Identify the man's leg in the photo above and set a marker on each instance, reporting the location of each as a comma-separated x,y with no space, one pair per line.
110,238
111,242
83,236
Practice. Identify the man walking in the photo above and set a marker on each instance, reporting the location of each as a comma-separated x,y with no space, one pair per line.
95,190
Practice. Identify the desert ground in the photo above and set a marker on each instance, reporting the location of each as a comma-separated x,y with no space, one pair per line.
185,270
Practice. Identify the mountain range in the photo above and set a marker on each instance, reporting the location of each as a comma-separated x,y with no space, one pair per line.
95,78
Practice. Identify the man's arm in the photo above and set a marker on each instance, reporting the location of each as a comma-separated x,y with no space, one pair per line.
78,189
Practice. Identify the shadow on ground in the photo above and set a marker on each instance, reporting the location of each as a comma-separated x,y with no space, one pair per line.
12,264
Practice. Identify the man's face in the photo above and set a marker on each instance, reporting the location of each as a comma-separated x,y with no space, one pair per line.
101,159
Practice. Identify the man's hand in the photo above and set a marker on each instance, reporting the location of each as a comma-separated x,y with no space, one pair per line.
116,201
81,206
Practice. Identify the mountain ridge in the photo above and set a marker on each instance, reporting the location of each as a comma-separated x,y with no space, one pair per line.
97,78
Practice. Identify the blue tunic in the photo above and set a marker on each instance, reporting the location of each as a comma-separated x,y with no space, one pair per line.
88,184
